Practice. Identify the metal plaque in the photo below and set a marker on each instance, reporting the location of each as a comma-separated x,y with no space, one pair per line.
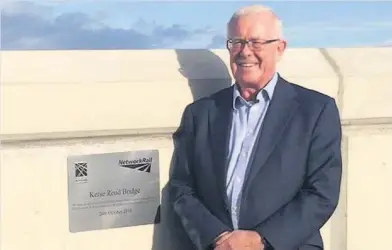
113,190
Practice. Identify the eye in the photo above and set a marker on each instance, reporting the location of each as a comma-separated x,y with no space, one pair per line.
237,42
257,44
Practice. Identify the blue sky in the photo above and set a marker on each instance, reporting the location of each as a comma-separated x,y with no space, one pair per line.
111,24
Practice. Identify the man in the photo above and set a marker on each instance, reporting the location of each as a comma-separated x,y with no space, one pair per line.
257,165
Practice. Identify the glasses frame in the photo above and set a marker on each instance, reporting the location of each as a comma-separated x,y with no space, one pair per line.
229,43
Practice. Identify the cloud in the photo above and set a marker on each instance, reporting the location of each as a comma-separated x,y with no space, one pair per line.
28,26
41,25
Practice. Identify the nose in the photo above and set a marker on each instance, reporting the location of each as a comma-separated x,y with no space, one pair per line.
246,51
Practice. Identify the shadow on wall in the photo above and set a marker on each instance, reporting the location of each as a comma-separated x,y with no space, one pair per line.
195,64
205,71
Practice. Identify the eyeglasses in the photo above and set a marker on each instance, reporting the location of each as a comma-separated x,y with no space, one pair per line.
239,44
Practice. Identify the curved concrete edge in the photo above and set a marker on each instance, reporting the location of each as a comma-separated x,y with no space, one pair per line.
365,92
50,94
339,75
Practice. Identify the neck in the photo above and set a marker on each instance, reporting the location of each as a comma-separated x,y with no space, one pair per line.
249,93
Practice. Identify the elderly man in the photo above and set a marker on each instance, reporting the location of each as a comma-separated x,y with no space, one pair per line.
257,165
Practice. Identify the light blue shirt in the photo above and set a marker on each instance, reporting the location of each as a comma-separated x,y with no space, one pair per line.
247,120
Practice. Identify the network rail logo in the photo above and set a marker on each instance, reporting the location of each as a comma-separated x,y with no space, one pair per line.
141,164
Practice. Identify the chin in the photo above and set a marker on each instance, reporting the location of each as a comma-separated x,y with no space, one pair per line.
248,81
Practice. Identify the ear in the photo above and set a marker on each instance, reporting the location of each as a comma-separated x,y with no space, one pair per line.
281,49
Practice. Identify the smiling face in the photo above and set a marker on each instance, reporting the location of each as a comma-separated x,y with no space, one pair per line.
253,67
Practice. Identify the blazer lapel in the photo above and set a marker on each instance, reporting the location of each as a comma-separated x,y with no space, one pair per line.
219,124
281,110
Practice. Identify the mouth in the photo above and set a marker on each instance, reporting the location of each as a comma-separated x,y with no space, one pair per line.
247,64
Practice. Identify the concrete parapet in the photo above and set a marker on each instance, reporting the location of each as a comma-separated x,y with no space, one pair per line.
57,103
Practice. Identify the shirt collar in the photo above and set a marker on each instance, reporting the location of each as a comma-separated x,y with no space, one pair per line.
267,92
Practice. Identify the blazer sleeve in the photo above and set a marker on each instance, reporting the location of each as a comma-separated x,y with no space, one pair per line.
298,220
201,226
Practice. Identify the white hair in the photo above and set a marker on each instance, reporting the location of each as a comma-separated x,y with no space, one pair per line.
256,10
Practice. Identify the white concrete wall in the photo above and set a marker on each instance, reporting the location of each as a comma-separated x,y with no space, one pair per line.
57,103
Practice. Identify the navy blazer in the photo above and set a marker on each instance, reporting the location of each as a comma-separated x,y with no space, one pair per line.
293,182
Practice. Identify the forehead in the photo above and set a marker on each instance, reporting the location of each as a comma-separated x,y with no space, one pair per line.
253,26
